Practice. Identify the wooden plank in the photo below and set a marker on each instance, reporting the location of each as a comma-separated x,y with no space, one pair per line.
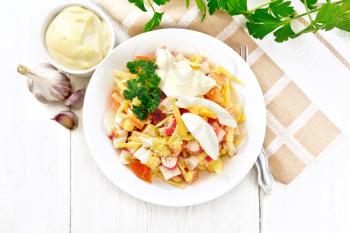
34,151
34,167
316,201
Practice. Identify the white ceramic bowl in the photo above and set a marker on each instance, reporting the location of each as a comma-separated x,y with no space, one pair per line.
53,13
208,186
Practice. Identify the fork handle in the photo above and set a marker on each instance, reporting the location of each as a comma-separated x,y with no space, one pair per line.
265,179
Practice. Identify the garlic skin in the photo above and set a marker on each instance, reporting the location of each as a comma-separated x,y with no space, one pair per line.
76,99
46,83
67,119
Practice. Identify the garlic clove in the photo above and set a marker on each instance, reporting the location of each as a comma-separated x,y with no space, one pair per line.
67,119
76,99
46,83
46,65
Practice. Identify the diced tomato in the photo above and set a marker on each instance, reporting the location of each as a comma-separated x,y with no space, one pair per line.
111,135
169,130
157,116
183,110
212,121
208,159
141,171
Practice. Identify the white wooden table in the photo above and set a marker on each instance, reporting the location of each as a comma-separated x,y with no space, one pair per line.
49,182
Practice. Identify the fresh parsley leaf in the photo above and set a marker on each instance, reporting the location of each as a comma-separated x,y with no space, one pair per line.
213,5
259,31
346,5
222,4
281,9
263,16
327,16
140,112
261,23
160,2
153,102
139,3
154,21
133,89
236,7
333,15
276,17
144,87
310,4
344,21
284,33
202,7
141,66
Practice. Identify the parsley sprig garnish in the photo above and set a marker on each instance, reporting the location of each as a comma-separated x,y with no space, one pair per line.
144,88
274,16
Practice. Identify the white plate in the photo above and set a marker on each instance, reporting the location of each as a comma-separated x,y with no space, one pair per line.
208,186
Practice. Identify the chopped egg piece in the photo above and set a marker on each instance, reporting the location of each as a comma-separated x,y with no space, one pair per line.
222,114
143,155
203,133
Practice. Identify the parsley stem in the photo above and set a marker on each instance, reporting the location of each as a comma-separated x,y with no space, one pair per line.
282,23
308,12
149,2
305,30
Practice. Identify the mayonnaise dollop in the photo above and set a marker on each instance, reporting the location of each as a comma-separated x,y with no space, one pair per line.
178,78
77,38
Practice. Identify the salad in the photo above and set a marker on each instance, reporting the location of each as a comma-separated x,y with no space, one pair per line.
176,116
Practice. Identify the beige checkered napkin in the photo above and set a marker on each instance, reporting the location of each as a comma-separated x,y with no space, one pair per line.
297,131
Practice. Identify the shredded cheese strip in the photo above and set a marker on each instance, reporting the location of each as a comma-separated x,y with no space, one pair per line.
133,145
222,70
123,75
181,125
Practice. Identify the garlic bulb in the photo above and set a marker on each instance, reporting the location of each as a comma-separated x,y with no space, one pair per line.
67,119
46,83
76,99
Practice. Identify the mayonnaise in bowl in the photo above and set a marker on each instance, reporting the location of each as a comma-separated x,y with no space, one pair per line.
77,37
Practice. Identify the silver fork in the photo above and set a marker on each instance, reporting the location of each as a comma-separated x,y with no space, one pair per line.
265,179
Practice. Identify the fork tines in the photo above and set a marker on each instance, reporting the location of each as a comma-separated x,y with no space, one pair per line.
243,52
